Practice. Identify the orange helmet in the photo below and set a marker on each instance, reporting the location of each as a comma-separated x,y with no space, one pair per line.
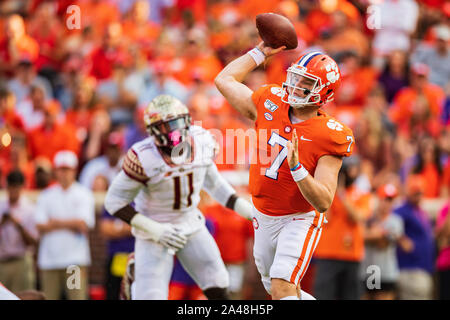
315,76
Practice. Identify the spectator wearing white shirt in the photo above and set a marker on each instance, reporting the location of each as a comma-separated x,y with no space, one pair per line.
98,173
398,21
436,55
65,213
18,237
32,108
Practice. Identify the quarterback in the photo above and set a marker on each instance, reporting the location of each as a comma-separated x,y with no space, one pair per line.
164,174
291,193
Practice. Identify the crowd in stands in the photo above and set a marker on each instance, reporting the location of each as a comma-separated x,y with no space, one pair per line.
72,100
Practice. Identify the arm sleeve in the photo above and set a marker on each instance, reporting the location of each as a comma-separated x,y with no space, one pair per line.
121,192
216,185
133,168
340,143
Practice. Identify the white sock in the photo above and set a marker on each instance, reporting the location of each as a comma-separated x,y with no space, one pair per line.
290,298
306,296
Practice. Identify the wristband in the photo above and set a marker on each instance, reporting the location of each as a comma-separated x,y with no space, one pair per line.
257,55
299,172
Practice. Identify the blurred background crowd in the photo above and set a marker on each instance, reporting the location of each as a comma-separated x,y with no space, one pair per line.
71,103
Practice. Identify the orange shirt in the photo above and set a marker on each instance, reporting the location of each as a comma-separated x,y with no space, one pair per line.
355,87
341,238
405,103
47,143
231,233
273,190
207,65
432,180
251,8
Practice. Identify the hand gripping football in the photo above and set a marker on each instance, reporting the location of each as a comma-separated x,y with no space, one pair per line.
276,31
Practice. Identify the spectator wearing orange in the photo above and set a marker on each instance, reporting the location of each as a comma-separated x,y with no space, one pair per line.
343,35
8,116
83,107
46,28
97,15
139,29
341,249
429,167
251,8
16,45
416,109
196,56
103,57
52,136
16,158
357,80
11,129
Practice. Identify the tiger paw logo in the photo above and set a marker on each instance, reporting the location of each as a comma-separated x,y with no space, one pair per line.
334,125
332,73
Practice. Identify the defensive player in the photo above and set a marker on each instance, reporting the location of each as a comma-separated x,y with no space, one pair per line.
164,174
289,197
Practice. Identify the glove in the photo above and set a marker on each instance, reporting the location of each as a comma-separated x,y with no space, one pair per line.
163,233
172,238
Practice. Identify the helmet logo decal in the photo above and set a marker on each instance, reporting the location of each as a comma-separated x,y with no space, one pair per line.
332,73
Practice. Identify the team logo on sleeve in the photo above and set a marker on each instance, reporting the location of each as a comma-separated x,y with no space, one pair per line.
270,105
334,125
268,116
277,91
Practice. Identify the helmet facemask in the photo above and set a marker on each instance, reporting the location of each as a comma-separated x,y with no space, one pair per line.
302,88
171,133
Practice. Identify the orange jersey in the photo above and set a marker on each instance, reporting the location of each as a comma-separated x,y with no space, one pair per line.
274,192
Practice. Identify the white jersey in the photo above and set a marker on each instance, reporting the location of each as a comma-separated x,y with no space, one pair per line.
171,194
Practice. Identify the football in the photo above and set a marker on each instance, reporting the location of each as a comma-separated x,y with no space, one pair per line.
276,31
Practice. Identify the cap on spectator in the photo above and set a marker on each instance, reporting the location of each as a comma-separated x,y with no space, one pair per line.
116,139
387,191
414,185
420,69
65,159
